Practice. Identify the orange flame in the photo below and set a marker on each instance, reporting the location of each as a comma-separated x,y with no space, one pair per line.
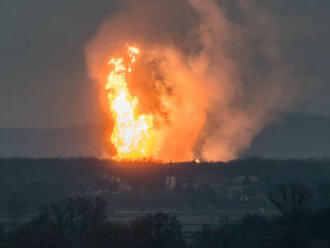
133,134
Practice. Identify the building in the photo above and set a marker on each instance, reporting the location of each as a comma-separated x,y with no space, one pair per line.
170,182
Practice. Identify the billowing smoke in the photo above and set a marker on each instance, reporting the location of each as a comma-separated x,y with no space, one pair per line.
210,73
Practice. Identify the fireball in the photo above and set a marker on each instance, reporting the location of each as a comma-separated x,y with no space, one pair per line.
133,134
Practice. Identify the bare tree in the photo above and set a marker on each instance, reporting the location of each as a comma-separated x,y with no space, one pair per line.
157,230
292,200
79,212
16,205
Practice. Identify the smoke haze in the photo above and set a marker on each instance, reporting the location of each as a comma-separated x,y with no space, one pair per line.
211,80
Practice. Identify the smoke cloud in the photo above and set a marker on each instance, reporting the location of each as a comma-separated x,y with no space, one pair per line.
211,73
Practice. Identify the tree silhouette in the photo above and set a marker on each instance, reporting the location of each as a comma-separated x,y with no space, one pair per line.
157,230
16,205
292,200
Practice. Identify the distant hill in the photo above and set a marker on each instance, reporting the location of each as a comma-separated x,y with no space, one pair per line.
294,136
65,142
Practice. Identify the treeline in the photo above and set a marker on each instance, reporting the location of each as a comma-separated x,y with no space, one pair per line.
80,222
23,170
298,226
26,184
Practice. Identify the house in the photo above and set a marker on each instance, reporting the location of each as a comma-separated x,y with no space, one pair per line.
170,182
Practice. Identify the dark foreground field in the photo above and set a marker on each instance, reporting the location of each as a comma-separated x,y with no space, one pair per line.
207,201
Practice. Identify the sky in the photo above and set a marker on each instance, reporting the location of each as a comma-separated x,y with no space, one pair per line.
43,75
